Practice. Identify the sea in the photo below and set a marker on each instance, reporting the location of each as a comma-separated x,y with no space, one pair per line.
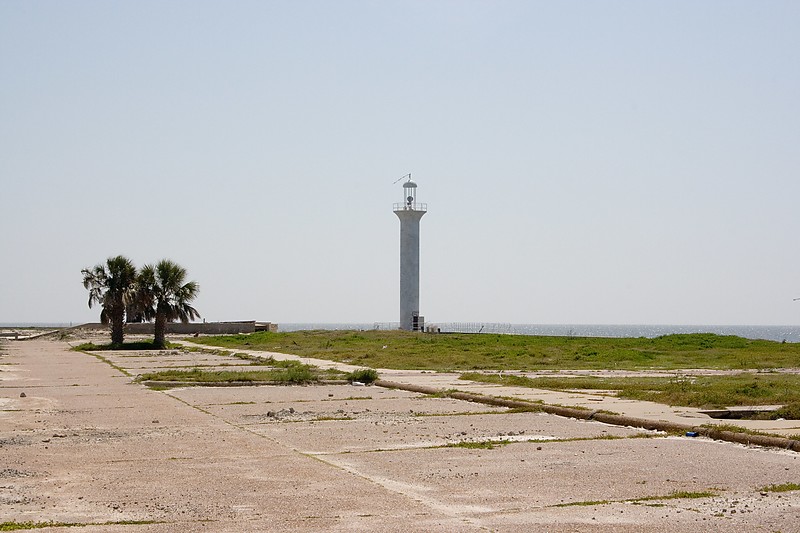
773,333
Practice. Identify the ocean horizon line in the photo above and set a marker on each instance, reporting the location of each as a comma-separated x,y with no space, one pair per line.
773,332
780,333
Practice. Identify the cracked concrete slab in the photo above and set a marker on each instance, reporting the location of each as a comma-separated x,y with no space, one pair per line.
87,445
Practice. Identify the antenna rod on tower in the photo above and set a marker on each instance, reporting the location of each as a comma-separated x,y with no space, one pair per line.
401,177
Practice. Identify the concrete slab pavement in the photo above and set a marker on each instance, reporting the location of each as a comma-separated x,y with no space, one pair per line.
87,445
605,400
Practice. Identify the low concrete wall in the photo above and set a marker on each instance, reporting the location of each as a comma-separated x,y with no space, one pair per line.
178,328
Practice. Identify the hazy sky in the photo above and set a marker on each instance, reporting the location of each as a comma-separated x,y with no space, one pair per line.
583,162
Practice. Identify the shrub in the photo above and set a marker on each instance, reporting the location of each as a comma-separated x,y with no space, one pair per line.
789,412
363,375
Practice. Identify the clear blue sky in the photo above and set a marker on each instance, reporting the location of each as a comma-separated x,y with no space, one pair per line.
583,162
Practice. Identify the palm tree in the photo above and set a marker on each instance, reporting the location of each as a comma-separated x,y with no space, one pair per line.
112,286
166,295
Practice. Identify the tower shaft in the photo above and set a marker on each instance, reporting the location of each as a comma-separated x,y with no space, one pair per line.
409,267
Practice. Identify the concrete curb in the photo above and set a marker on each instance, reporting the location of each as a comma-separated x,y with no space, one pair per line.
606,418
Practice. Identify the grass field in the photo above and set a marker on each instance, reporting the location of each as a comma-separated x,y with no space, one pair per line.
449,352
472,352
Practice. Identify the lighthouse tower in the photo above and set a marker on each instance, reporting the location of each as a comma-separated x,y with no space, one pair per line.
410,212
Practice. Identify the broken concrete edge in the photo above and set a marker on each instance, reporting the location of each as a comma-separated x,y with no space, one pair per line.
606,418
38,335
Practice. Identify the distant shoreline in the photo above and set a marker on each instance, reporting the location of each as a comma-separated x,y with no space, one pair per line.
39,324
779,333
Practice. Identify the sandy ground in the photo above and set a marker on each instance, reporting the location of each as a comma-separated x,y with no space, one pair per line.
86,445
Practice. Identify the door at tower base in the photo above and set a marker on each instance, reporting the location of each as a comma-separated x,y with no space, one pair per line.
417,322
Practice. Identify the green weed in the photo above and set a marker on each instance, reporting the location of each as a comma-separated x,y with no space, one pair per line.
109,363
746,388
294,373
477,445
583,503
680,495
19,526
135,345
783,487
671,496
736,429
788,412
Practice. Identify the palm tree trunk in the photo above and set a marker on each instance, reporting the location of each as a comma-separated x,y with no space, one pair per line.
160,330
117,326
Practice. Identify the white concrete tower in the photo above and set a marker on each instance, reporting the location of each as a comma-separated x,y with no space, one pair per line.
410,212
